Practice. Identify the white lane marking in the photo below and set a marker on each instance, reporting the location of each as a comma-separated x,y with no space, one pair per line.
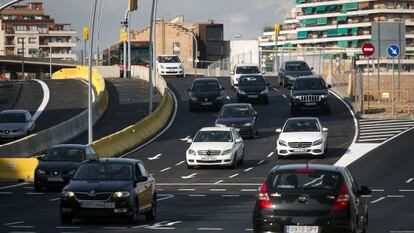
284,96
248,190
197,195
13,223
165,198
54,199
5,193
160,133
29,187
209,184
375,136
370,120
185,139
191,190
160,189
155,157
366,196
164,195
13,226
217,190
165,169
191,176
218,182
387,124
384,130
114,228
232,176
63,227
45,100
248,169
270,155
248,229
12,186
377,190
406,190
209,229
275,89
87,84
352,113
32,193
409,180
378,133
140,226
178,164
377,200
395,196
260,162
228,97
401,231
230,195
372,140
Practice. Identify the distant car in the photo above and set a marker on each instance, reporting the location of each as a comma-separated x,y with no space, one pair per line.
120,188
206,93
310,198
302,136
59,164
242,117
16,124
290,70
309,93
243,69
252,88
170,65
215,146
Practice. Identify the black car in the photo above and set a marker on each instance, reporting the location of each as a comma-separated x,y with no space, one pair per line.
290,70
109,188
206,93
309,93
310,198
252,88
59,164
242,117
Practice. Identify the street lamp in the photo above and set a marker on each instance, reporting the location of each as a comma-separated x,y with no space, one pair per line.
152,68
196,51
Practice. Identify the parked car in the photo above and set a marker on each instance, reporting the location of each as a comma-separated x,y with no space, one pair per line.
170,65
252,88
59,164
310,198
215,146
243,69
302,136
120,188
309,93
206,93
240,116
16,124
290,70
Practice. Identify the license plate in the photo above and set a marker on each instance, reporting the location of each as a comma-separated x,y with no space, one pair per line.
302,229
310,104
55,179
207,103
300,150
97,205
209,158
253,96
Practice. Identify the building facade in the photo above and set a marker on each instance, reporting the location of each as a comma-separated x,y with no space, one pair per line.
25,29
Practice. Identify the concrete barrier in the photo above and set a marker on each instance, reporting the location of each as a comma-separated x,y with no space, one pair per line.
17,168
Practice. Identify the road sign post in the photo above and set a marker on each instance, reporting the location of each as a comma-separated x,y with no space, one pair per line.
393,51
368,50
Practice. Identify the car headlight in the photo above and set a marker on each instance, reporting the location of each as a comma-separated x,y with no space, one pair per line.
191,152
193,98
227,152
265,91
241,92
324,96
237,79
220,97
247,124
40,171
318,142
296,97
121,194
220,125
181,67
291,77
282,143
68,194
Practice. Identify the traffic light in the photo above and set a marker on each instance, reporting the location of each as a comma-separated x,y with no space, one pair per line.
132,5
277,29
85,33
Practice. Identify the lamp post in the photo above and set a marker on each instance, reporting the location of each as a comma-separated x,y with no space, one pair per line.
196,51
50,60
152,68
23,58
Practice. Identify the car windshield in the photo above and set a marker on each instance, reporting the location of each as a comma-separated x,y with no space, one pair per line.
304,179
213,136
13,118
169,59
251,81
235,111
247,70
297,66
309,84
104,171
205,86
64,155
301,126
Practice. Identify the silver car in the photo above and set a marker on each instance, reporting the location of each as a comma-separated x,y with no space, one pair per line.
16,124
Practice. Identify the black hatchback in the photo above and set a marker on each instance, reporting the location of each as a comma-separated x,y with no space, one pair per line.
206,93
240,116
252,88
310,198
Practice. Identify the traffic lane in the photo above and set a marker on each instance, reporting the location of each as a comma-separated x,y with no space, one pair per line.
68,98
165,157
25,95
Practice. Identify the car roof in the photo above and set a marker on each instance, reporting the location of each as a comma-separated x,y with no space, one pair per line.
14,111
320,167
246,64
237,104
205,79
115,160
251,75
295,61
302,118
77,146
215,129
310,77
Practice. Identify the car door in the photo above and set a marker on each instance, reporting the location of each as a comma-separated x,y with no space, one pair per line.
139,188
357,200
149,187
239,145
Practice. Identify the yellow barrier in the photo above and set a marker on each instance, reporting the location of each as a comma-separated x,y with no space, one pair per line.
17,168
81,72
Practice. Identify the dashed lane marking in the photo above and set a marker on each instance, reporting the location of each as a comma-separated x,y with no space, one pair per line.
32,193
5,193
165,169
178,164
165,198
12,186
209,184
260,162
230,195
155,157
284,96
185,139
217,190
248,169
248,190
271,154
377,200
232,176
377,190
114,228
197,195
13,223
395,196
67,227
209,229
218,182
186,190
54,199
409,180
26,227
189,176
406,190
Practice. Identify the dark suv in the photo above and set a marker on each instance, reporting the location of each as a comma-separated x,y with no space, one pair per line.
309,93
290,70
206,93
310,198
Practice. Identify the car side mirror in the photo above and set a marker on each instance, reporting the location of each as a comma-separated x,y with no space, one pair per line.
278,130
325,130
190,140
239,140
255,114
329,86
364,190
232,73
141,179
223,88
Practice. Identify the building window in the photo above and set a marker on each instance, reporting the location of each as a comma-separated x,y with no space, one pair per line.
20,40
32,40
19,51
33,51
176,48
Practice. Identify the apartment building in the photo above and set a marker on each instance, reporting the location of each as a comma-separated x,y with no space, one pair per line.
26,29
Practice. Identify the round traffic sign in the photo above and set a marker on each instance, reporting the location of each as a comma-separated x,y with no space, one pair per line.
393,50
368,49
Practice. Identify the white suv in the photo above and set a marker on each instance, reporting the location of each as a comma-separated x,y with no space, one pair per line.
170,65
243,69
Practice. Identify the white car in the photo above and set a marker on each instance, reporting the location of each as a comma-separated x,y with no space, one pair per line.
243,69
170,65
302,136
215,146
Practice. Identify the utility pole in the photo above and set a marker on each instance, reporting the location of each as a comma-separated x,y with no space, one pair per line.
50,60
129,45
152,68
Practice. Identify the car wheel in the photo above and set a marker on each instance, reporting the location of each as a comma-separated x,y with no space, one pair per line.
242,158
65,219
256,134
37,187
365,230
132,218
152,213
280,81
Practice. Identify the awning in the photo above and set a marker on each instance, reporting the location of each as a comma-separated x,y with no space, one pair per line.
331,32
343,44
342,18
321,8
302,35
322,21
308,10
342,31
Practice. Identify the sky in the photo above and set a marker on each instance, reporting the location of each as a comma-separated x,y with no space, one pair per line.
240,17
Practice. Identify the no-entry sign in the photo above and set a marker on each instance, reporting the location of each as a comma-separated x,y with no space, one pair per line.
368,49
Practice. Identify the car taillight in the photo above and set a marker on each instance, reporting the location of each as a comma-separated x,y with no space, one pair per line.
342,200
263,198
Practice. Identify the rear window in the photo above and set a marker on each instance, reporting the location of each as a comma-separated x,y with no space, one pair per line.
206,86
64,155
169,59
13,118
297,66
309,84
247,70
304,179
251,81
